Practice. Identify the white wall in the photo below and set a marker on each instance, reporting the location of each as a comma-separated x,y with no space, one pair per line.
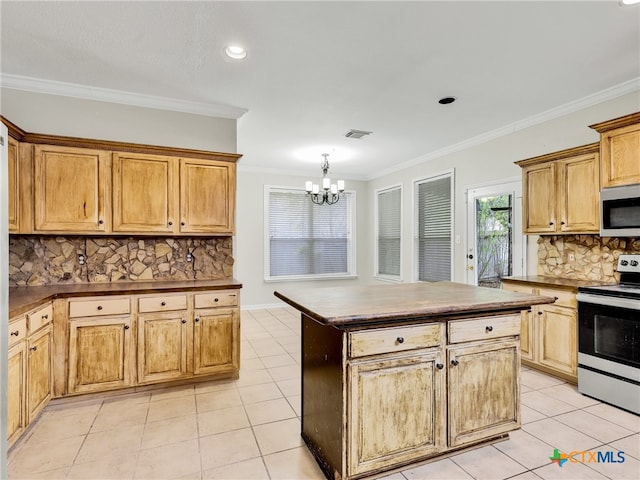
492,161
248,247
75,117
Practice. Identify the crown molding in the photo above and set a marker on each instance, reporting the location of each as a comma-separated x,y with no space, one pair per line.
51,87
571,107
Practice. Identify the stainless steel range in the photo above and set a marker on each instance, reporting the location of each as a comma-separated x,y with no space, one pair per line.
609,338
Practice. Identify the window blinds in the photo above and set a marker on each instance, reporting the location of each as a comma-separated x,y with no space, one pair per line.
434,229
389,226
307,239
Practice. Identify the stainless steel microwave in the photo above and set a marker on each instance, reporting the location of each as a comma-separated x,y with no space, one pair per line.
620,211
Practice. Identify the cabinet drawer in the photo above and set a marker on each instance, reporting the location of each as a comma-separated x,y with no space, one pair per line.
216,299
162,303
483,328
563,298
99,306
513,287
40,317
17,330
389,340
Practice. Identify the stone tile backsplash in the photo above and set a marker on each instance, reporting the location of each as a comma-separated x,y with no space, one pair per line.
594,257
46,260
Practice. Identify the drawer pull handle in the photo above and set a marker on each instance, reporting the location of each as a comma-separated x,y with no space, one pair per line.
34,348
162,304
454,362
489,328
400,339
215,299
99,307
197,319
16,333
126,327
44,317
439,366
184,321
555,298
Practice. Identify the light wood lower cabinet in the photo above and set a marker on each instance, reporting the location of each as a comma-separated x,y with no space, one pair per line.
384,394
216,340
100,354
29,369
162,346
552,331
408,392
483,390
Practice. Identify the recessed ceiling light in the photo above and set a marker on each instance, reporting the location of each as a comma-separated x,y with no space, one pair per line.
235,51
446,100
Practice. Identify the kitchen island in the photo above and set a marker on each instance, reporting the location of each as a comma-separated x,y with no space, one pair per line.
394,375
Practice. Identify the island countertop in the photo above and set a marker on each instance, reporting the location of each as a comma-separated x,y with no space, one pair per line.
344,306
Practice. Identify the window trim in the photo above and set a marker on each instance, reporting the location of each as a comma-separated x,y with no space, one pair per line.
296,278
450,172
384,277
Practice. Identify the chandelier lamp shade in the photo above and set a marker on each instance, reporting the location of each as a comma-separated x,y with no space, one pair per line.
329,193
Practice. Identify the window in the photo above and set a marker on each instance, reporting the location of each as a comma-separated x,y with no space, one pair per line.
388,231
306,240
434,207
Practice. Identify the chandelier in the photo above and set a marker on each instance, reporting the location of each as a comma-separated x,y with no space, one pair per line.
330,193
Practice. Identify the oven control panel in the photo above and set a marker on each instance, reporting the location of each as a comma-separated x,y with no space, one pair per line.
629,263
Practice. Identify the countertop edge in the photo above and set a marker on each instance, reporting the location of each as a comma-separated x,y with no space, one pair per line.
53,292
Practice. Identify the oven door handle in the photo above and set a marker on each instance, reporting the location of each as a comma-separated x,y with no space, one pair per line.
627,303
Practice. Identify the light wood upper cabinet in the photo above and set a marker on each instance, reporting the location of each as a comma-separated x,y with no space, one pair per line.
207,196
14,186
620,150
561,192
70,190
144,193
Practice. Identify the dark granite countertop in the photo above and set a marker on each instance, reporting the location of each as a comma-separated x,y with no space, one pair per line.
348,306
542,281
23,299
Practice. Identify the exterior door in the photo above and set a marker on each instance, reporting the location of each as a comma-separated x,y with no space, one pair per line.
495,245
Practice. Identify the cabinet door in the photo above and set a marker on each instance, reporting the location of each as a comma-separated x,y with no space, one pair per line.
16,391
100,355
14,187
578,200
396,410
162,346
620,150
216,341
39,371
526,324
207,196
539,198
148,209
484,391
70,189
557,333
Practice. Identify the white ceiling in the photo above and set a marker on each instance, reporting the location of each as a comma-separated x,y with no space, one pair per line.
317,69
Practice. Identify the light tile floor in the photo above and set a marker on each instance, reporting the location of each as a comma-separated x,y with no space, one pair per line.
250,428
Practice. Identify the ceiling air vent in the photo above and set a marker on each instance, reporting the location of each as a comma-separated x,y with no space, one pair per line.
357,133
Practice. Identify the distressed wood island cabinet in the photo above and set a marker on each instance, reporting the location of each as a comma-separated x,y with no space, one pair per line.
399,374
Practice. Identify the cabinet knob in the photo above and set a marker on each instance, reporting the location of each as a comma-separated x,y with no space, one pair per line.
100,222
126,327
34,348
16,333
44,317
197,319
99,307
182,223
551,223
539,313
400,339
561,223
162,304
454,362
184,321
489,328
170,223
215,300
555,298
439,366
